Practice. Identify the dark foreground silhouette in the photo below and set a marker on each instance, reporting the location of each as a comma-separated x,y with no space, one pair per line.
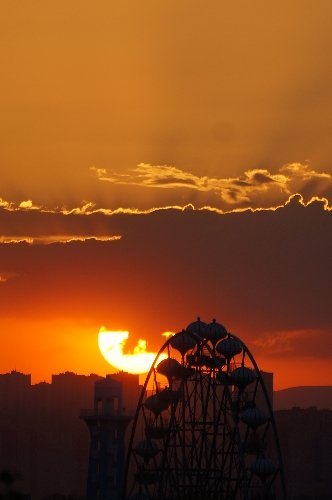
44,445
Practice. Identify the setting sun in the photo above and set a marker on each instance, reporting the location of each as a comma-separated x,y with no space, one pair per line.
111,345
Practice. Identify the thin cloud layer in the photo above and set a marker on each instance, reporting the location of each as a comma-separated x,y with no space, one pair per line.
304,343
55,238
62,225
149,188
256,188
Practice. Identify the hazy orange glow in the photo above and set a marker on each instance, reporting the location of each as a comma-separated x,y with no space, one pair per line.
111,345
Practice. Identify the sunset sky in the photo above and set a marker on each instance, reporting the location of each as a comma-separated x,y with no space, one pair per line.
161,161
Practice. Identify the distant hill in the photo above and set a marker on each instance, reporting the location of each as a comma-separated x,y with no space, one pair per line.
303,397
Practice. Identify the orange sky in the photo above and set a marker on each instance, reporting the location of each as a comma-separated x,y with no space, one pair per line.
114,109
266,275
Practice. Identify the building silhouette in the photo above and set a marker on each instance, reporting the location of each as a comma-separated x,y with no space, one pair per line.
306,441
42,441
115,401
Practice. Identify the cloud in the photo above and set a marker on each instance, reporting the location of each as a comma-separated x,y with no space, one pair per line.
305,343
63,225
5,276
153,187
55,238
21,239
86,208
23,205
255,188
28,205
162,176
5,204
272,265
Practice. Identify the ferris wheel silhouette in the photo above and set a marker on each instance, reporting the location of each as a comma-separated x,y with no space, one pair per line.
205,430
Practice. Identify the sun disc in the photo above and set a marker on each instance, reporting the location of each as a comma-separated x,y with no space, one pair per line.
111,345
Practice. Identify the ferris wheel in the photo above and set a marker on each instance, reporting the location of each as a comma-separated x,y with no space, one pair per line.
204,427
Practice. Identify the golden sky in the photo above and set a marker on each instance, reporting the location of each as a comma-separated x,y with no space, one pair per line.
110,110
211,88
